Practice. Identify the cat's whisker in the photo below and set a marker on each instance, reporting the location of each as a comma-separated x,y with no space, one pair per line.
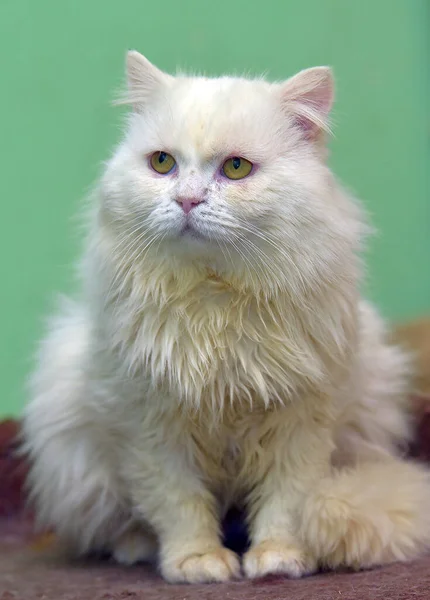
222,247
261,256
266,237
256,251
248,264
160,237
237,223
132,262
229,254
130,232
260,275
128,262
125,260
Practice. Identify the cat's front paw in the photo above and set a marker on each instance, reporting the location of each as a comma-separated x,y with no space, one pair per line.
217,565
278,557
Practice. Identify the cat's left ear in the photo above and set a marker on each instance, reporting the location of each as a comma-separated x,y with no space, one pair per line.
143,79
308,97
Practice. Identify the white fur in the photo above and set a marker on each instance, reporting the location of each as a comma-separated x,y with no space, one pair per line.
238,365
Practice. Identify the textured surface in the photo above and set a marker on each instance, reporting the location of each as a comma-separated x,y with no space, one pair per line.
29,574
31,567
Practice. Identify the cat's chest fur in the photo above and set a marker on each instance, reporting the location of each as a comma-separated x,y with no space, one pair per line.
220,345
232,450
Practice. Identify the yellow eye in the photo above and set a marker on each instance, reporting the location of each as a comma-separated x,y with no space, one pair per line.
236,167
162,162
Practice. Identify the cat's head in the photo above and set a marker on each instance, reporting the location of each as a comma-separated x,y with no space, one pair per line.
230,172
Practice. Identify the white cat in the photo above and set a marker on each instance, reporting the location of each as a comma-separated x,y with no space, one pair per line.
220,353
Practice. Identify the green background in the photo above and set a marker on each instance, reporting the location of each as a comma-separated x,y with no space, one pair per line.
62,61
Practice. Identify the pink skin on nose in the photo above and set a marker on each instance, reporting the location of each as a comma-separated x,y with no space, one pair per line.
188,203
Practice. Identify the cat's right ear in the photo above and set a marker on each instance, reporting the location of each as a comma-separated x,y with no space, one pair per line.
143,79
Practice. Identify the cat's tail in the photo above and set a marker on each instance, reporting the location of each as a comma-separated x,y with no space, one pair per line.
369,515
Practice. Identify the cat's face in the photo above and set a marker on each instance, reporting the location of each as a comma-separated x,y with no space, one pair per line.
226,169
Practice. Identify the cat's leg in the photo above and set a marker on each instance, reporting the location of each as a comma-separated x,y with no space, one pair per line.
190,546
369,515
135,544
299,455
73,480
169,493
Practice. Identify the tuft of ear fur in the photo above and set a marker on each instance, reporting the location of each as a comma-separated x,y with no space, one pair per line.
143,79
309,97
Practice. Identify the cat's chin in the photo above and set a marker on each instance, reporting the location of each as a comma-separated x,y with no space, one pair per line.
190,232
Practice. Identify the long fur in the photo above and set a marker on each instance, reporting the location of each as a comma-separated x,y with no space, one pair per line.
237,365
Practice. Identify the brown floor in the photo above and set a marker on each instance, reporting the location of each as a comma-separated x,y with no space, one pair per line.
28,572
32,568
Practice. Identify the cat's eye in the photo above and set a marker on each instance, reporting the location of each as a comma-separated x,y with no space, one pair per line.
236,167
162,162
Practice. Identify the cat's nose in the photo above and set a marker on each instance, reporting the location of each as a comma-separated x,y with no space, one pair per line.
188,203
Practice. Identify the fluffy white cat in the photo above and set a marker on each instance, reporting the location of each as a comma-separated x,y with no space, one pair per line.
220,352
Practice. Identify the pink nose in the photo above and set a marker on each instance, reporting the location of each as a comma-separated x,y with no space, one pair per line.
188,203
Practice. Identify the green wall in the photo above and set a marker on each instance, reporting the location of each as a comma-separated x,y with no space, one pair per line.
61,62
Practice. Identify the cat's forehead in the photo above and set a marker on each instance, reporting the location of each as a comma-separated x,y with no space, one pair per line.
214,115
226,94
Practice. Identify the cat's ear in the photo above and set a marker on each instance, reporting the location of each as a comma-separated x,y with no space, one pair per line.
309,96
143,79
